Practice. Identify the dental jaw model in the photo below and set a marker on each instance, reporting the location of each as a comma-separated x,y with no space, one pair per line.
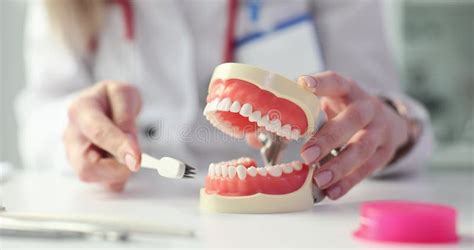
244,99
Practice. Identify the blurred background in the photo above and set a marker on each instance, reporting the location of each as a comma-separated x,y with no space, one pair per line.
433,41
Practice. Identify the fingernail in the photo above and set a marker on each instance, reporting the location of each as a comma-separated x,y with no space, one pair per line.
131,162
323,178
335,192
310,154
309,81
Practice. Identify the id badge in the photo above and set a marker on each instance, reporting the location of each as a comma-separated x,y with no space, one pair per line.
291,48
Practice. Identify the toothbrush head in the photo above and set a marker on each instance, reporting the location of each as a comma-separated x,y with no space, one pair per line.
173,168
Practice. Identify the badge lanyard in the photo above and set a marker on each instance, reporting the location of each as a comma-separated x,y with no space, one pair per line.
128,17
232,8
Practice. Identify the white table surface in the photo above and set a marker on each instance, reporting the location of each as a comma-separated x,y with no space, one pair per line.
328,225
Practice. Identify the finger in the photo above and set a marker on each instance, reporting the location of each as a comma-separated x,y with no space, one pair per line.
111,171
330,107
359,149
338,131
77,147
91,120
115,187
87,158
88,161
125,104
92,167
380,158
331,84
74,142
85,167
253,141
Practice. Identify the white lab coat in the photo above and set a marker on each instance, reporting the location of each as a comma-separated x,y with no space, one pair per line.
176,46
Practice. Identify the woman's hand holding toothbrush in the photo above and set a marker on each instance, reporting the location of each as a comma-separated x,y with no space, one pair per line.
100,138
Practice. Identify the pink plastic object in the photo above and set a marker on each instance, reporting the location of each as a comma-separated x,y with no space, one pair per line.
407,222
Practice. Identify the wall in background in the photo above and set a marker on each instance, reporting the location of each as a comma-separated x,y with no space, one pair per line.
437,59
11,73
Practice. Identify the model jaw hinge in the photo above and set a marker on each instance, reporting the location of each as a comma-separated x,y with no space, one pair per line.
272,145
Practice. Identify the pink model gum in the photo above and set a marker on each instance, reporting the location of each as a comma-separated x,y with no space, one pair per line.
262,100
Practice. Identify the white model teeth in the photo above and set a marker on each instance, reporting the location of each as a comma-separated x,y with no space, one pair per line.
211,172
241,172
232,171
243,159
286,131
275,171
224,171
252,171
225,126
235,168
287,169
295,134
297,166
263,121
224,105
274,126
262,171
246,110
235,107
255,116
218,170
212,106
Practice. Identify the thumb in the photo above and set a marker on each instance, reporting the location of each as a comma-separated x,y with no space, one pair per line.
133,158
252,140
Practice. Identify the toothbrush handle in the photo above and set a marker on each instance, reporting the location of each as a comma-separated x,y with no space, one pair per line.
149,162
167,167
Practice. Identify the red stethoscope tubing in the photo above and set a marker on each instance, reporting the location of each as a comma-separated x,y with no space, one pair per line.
230,32
128,17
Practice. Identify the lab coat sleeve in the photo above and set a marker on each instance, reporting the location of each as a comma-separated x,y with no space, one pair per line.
54,74
354,43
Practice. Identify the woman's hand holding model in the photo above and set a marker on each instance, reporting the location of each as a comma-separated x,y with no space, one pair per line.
100,139
369,131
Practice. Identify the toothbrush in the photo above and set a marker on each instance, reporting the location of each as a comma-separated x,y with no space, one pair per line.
168,167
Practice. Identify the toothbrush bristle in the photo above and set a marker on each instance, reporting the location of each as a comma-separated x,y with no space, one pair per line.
189,171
